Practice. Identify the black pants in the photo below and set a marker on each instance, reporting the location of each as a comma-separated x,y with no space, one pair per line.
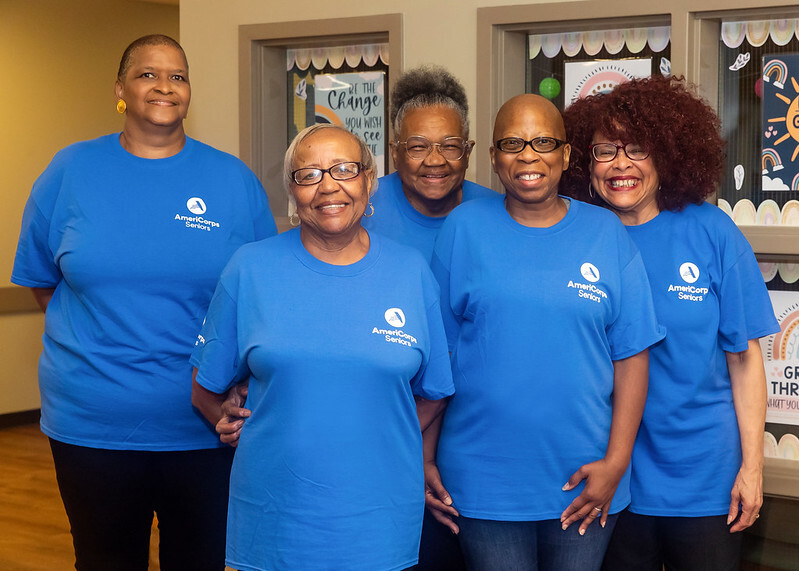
440,549
110,497
644,543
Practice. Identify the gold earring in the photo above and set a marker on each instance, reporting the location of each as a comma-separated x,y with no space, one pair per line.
121,106
372,206
294,219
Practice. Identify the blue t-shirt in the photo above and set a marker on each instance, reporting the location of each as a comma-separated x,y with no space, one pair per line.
535,318
328,471
134,248
709,293
396,218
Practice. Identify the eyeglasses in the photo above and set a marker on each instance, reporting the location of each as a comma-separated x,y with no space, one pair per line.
538,144
606,152
339,171
451,148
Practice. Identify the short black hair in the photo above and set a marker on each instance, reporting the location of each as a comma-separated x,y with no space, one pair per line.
149,40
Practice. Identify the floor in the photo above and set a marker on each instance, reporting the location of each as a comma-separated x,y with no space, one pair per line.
34,531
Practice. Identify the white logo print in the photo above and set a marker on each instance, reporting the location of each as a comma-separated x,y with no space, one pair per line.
196,205
689,272
395,317
589,272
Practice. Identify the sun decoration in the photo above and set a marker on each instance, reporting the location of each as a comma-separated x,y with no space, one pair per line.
791,118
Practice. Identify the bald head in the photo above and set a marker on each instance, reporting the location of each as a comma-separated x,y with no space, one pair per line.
518,108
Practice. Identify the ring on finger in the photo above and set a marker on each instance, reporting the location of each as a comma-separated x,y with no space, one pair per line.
598,509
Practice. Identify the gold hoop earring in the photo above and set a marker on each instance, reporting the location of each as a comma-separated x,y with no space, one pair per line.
590,190
121,106
372,206
294,219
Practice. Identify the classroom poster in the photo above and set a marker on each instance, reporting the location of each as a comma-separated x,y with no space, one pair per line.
582,79
357,102
780,141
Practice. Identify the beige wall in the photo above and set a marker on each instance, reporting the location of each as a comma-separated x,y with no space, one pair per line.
59,61
437,31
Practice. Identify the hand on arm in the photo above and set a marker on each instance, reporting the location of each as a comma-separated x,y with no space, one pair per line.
630,382
217,408
748,381
233,414
436,498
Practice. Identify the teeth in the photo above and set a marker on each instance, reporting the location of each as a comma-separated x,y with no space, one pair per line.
529,176
623,183
331,206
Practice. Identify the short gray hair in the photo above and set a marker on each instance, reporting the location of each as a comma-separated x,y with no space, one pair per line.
428,86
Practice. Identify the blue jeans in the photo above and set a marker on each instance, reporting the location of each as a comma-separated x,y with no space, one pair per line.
490,545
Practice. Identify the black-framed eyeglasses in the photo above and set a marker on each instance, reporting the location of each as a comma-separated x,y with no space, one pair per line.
451,148
606,152
339,171
538,144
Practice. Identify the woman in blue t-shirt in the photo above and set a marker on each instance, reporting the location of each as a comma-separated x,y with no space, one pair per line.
548,316
651,152
430,117
123,239
340,333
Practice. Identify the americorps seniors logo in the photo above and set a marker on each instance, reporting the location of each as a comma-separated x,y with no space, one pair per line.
689,272
589,272
395,317
196,205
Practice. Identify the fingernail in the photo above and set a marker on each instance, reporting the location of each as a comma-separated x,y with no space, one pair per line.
729,519
602,523
582,532
564,527
565,486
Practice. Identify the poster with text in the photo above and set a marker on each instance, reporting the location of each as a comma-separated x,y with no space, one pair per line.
781,360
357,102
779,164
582,79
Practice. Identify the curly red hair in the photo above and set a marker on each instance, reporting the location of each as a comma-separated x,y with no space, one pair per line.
664,115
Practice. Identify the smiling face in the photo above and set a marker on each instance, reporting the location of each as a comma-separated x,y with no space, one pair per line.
628,187
156,87
434,183
330,208
530,178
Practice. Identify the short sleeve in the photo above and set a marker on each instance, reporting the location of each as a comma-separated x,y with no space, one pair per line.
635,327
434,380
745,308
34,262
216,351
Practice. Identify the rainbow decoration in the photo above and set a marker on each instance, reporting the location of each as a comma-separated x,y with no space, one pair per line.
795,182
778,69
771,156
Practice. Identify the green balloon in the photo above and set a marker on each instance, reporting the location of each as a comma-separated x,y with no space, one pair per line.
549,87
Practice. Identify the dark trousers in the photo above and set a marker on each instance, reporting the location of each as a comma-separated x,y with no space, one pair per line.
643,543
440,549
110,497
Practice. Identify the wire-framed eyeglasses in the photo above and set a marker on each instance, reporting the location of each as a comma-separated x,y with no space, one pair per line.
339,171
538,144
606,152
451,148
